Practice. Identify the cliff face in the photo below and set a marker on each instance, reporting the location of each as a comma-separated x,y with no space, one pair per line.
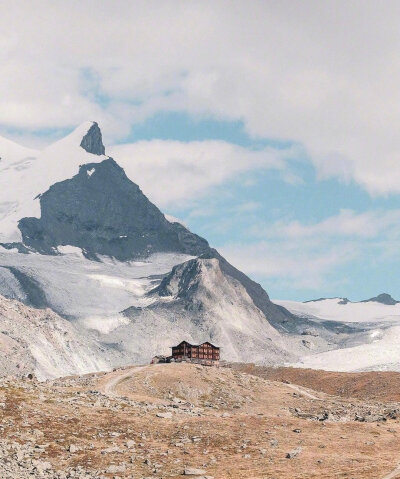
101,211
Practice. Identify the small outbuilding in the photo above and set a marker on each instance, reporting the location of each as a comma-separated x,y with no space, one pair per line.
160,359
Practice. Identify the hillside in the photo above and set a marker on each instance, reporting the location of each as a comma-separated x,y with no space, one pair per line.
39,342
374,385
164,420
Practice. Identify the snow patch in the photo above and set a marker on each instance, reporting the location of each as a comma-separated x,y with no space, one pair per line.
104,324
68,249
173,219
26,174
382,354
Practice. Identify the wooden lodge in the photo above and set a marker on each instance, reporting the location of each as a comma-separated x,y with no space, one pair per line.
205,353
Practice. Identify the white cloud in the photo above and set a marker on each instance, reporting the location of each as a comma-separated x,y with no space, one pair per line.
301,265
170,172
324,74
308,256
347,224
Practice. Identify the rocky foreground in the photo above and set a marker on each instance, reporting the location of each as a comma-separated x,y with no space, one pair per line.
171,420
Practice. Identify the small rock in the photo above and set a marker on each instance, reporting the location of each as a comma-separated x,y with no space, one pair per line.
192,471
116,468
164,415
72,448
294,453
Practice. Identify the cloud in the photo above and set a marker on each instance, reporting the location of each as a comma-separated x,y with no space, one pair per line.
299,266
346,224
172,172
323,74
309,256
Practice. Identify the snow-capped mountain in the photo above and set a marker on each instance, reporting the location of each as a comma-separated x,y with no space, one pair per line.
80,237
379,309
72,194
124,281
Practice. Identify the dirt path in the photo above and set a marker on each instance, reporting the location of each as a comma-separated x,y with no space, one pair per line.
109,387
394,474
303,391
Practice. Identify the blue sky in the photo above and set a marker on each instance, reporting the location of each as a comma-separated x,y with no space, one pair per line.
238,214
270,128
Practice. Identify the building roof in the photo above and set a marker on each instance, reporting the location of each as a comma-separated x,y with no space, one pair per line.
196,345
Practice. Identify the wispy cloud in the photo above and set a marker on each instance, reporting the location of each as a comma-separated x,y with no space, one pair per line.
171,171
310,255
347,223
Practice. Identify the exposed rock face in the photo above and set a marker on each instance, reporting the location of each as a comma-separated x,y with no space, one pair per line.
383,298
26,288
92,142
278,316
101,211
342,300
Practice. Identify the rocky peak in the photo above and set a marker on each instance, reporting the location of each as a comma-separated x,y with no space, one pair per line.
185,278
92,142
102,212
382,298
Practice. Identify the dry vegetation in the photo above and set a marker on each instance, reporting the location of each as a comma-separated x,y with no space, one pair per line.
156,420
382,385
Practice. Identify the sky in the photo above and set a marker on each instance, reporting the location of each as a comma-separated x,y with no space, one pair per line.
268,127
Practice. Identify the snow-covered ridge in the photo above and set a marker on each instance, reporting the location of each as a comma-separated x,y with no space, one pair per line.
382,353
335,309
11,153
380,349
25,174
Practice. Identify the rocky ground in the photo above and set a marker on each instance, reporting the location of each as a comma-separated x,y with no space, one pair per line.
178,420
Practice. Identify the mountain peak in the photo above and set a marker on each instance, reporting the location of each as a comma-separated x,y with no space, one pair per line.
383,298
11,152
92,142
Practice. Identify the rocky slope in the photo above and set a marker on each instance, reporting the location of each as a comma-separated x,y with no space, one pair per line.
39,342
197,301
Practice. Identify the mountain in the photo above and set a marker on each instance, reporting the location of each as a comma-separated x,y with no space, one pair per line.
382,298
80,237
98,209
341,300
197,301
338,310
80,240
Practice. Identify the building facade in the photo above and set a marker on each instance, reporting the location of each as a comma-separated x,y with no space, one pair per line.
205,353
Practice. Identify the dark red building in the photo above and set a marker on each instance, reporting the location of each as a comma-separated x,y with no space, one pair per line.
205,353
